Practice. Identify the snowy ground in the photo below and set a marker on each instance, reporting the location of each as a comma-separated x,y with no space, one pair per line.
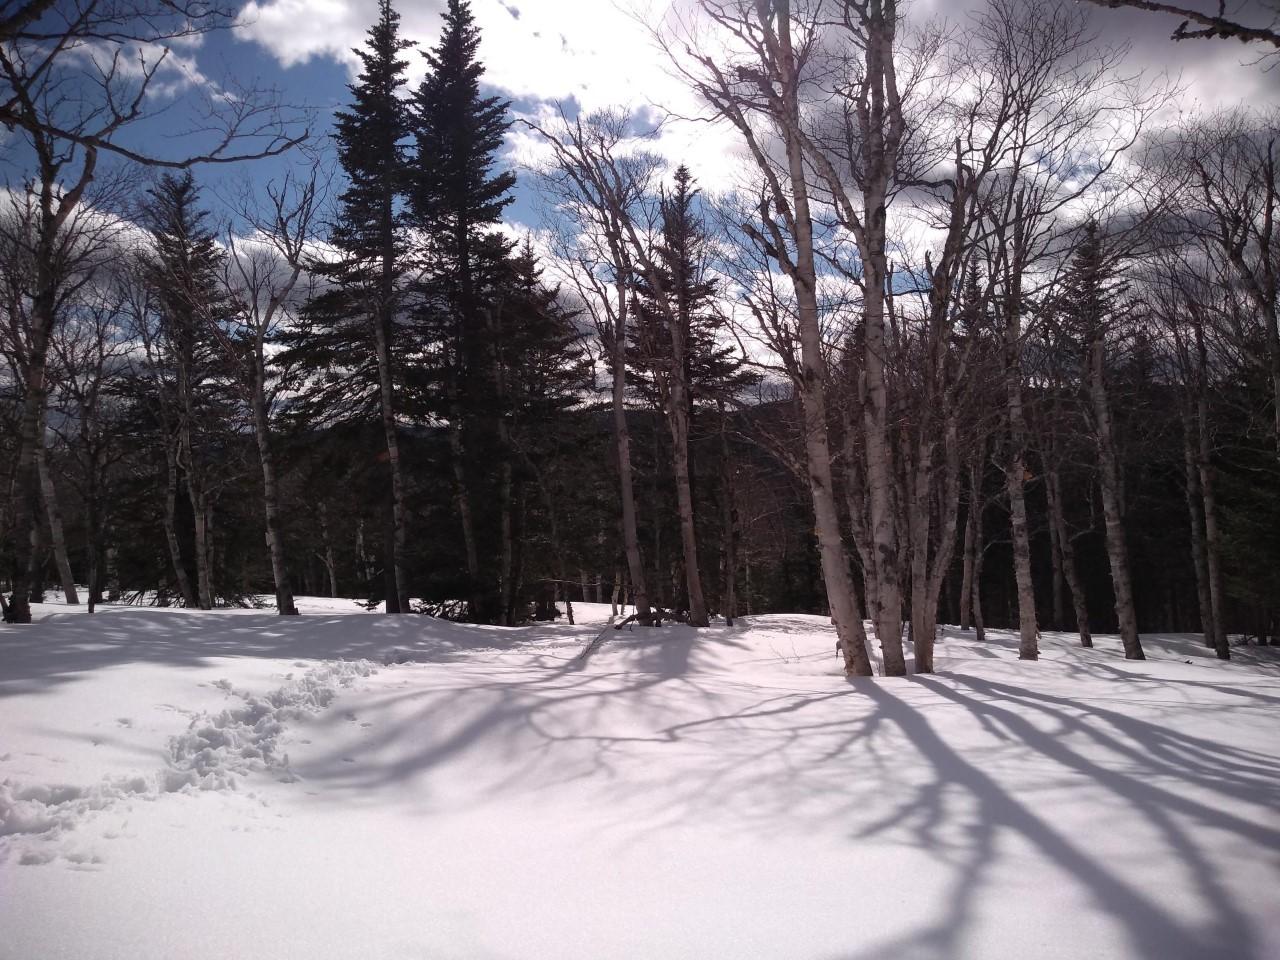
216,785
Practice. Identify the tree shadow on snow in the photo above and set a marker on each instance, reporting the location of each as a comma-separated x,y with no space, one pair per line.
62,647
656,747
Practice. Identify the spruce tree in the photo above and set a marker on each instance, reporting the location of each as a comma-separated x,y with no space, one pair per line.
189,369
1093,305
542,372
349,339
456,199
712,370
676,358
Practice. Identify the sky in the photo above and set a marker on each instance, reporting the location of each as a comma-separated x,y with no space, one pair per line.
596,53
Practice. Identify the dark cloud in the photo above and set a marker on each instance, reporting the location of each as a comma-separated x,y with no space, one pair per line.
1215,72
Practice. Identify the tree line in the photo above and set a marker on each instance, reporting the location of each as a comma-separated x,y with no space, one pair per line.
976,335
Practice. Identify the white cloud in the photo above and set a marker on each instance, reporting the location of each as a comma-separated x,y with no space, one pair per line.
594,52
597,54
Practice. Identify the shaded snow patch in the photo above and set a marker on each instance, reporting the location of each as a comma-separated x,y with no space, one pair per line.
213,754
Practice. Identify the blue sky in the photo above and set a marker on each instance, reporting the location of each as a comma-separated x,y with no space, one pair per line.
594,53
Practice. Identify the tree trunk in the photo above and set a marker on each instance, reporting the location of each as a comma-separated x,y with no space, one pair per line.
1212,537
92,536
855,502
30,441
1199,556
1109,477
812,388
970,541
1015,482
678,420
729,537
330,560
1055,557
398,599
507,558
199,507
57,537
36,567
622,439
927,573
1070,570
271,498
171,525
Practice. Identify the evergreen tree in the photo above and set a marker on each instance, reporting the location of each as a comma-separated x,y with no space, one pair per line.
542,372
456,200
1093,305
676,358
712,370
348,342
189,370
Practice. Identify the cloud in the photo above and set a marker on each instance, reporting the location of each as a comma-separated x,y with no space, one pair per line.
599,54
594,52
589,55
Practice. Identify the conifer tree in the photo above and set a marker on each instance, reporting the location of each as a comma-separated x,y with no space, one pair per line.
1093,306
678,362
542,371
349,335
183,274
456,200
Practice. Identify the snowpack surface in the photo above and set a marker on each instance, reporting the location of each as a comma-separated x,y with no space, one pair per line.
177,784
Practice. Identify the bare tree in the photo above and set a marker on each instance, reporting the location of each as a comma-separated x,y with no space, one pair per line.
758,87
1070,95
263,270
90,352
1198,25
602,188
71,81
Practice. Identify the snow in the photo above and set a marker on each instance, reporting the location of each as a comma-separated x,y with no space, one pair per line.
178,784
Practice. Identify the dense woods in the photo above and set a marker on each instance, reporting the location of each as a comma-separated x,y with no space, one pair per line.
975,334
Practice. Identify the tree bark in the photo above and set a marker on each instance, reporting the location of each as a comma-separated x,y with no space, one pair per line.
57,538
1112,499
812,386
678,419
971,542
1016,475
399,597
1212,536
171,524
622,440
1199,556
271,496
882,125
728,514
330,560
1070,570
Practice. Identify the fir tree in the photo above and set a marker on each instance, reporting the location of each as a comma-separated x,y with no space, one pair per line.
676,358
1093,304
712,371
456,200
348,340
188,368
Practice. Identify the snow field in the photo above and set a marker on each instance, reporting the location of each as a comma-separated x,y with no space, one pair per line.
720,793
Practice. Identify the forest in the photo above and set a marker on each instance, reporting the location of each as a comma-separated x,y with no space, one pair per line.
978,328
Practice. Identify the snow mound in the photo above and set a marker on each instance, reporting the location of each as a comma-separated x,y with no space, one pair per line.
213,754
